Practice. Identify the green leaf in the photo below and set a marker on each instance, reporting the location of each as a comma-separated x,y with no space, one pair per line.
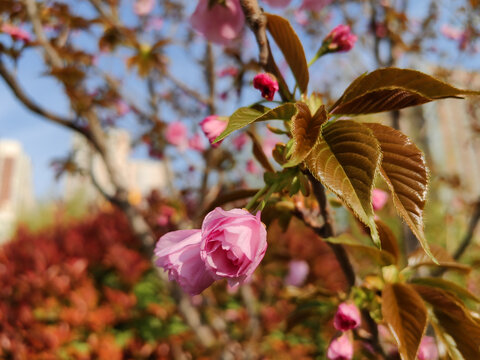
446,285
305,131
454,319
247,115
393,89
345,159
405,313
405,171
291,47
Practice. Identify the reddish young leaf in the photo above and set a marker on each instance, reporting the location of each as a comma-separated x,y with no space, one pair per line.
345,159
305,131
406,315
388,240
393,89
291,47
404,169
454,319
419,258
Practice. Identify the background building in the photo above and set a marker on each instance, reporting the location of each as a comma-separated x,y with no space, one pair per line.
141,176
16,187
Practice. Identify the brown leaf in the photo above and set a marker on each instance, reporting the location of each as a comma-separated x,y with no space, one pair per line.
406,315
259,154
291,47
393,89
454,319
446,285
419,258
305,131
405,172
345,159
388,240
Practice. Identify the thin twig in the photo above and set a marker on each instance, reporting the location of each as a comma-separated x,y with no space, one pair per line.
467,239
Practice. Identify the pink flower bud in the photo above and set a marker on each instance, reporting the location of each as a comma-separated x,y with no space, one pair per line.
221,23
428,349
233,244
213,126
347,317
267,84
314,5
379,199
15,32
297,273
277,3
143,7
340,39
340,348
178,252
176,134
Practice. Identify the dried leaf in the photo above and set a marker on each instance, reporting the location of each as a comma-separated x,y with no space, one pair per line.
247,115
345,159
305,131
393,89
405,171
406,315
291,47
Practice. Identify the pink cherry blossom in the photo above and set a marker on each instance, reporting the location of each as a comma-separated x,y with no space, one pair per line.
176,134
379,199
301,17
221,23
233,244
267,84
143,7
451,32
178,252
340,39
240,141
251,167
277,3
15,32
340,348
213,126
428,349
228,71
196,143
347,317
121,107
297,273
314,5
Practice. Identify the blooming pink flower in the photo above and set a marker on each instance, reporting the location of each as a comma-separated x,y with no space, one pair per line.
340,39
267,84
121,107
15,32
176,134
314,5
213,126
277,3
379,199
340,348
451,32
233,244
297,273
143,7
347,317
428,349
178,252
240,141
221,23
196,143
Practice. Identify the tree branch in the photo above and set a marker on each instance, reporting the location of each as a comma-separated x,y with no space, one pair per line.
470,231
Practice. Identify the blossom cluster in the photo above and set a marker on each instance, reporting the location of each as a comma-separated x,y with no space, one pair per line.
230,245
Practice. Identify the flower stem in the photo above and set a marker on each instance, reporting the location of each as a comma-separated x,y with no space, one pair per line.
255,198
